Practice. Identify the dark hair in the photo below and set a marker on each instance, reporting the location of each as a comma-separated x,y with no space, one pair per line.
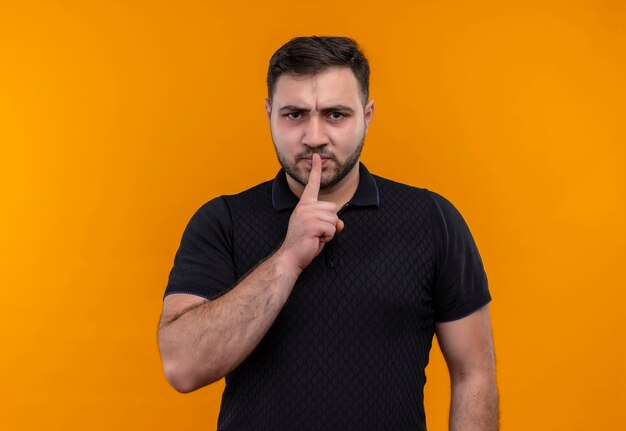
311,55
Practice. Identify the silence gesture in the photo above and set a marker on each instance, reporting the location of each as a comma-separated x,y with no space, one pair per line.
312,224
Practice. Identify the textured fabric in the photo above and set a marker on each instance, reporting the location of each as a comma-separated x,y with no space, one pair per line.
349,348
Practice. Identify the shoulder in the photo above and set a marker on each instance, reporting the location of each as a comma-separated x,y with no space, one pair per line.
219,210
412,198
411,203
394,188
253,202
252,196
220,207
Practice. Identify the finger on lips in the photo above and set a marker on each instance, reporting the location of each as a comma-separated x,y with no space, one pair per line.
312,189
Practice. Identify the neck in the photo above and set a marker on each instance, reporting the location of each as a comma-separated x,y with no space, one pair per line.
340,193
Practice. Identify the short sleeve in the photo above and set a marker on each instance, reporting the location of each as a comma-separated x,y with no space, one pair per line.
461,283
203,264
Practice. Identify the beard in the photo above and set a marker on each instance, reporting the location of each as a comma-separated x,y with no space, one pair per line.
342,167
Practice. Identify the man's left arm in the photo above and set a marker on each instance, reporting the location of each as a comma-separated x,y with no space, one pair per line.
467,346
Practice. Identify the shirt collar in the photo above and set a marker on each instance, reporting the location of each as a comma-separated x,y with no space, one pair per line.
366,193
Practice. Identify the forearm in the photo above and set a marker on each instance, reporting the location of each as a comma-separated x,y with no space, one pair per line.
204,343
474,405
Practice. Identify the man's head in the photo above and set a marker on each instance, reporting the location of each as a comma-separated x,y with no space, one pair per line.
311,55
317,102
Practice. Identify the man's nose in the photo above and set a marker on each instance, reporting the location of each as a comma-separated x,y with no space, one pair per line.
315,133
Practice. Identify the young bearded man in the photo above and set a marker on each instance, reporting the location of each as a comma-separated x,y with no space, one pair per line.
317,294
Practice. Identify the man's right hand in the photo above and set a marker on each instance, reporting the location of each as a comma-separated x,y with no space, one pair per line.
312,224
202,341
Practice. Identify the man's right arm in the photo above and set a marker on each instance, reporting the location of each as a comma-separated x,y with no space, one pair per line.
201,341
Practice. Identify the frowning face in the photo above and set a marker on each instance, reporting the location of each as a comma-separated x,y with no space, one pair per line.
321,113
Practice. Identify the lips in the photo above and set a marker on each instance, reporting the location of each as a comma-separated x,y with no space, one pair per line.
308,160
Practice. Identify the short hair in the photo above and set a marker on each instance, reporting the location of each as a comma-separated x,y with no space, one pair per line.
311,55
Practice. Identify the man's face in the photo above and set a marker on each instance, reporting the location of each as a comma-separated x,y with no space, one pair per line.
322,114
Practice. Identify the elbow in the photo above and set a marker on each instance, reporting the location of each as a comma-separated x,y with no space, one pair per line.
183,370
477,382
178,379
184,377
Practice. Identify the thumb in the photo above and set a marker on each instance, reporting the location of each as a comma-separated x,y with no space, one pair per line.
340,226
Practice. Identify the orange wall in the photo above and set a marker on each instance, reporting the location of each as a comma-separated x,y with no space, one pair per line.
118,119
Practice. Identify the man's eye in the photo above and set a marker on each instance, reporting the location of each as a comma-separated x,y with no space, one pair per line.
337,115
294,115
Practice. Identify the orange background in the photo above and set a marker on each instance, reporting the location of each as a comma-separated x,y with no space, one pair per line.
119,119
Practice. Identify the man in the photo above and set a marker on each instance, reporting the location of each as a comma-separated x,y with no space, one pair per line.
317,294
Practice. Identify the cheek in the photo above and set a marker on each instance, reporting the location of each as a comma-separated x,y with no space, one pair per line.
285,133
347,134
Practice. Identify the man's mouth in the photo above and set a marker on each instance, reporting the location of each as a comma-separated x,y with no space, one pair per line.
322,156
308,160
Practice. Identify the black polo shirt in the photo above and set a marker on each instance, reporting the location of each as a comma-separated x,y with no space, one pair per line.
349,348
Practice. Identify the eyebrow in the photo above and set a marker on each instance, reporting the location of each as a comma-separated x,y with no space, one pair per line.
294,108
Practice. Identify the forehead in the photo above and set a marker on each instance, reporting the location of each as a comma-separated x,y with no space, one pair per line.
335,85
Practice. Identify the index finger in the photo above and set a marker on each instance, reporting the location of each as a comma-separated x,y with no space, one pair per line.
312,188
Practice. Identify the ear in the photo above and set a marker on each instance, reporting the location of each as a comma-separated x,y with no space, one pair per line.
268,109
369,113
